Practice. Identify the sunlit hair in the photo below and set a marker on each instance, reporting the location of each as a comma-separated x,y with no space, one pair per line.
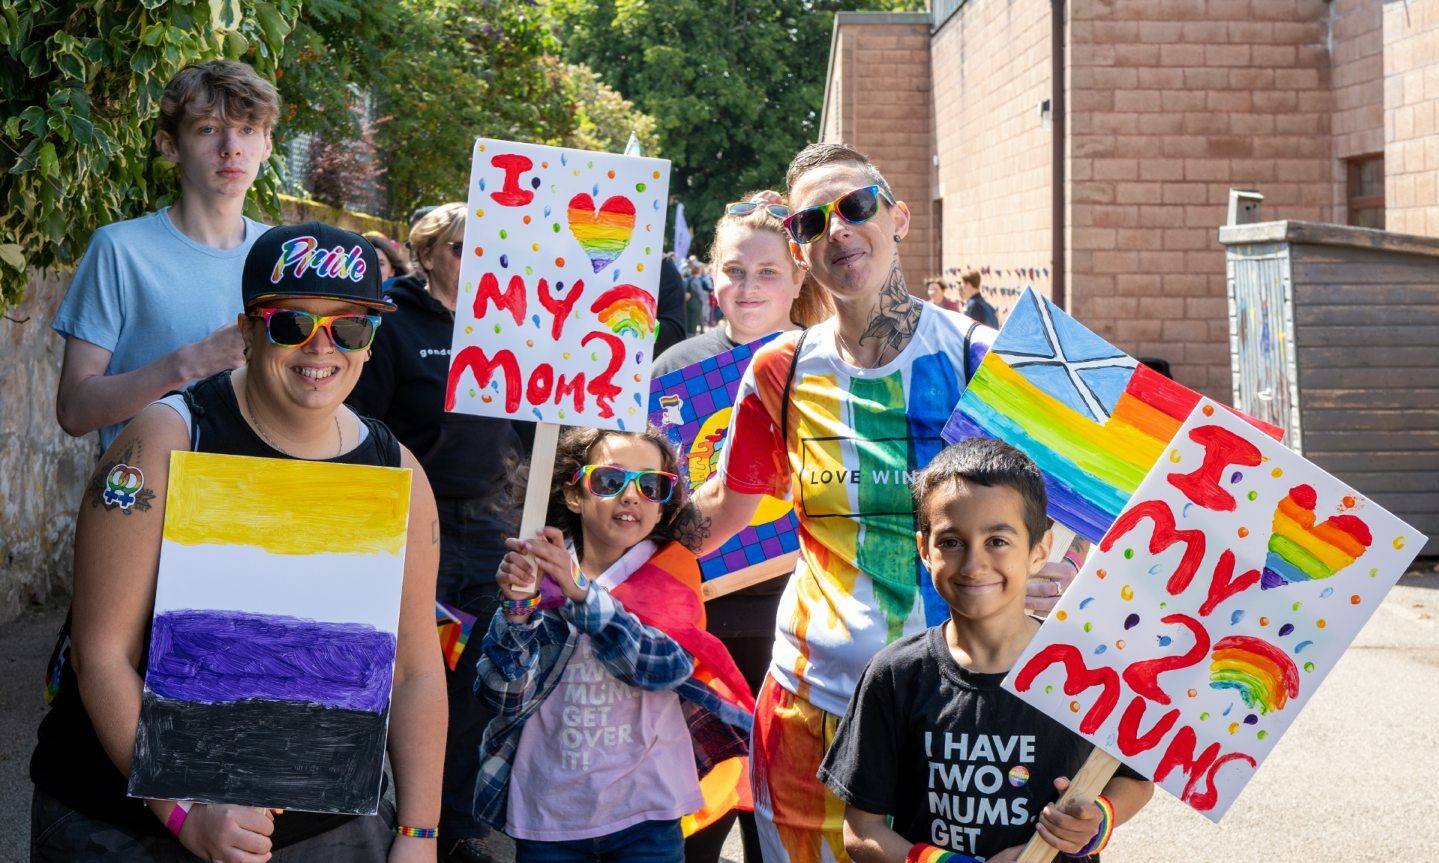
813,303
819,155
387,247
576,448
225,89
443,224
986,462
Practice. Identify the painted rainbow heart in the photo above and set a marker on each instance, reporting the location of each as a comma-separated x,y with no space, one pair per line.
605,233
1300,550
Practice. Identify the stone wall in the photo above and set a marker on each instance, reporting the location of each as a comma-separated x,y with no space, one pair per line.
42,470
1411,117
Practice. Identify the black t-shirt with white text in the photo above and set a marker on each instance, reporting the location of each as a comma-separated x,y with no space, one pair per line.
955,760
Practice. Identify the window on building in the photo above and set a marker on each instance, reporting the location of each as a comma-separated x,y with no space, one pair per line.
1366,191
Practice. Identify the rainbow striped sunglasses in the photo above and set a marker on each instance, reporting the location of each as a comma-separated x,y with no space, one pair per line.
606,481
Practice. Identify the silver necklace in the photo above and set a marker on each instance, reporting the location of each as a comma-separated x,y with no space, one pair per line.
259,428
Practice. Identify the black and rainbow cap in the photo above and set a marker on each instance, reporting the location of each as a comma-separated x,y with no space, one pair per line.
313,261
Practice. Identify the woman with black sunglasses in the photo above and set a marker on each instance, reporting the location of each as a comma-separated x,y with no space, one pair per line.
469,459
311,295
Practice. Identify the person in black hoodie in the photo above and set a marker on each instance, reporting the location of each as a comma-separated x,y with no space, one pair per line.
470,460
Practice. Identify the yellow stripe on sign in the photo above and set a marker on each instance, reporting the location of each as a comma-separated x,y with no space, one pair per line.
286,506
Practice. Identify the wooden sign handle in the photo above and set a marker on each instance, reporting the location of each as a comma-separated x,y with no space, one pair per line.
1085,786
537,489
1062,537
750,576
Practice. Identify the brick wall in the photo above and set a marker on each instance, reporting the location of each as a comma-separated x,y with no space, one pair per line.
1174,102
1411,100
878,101
1357,78
991,72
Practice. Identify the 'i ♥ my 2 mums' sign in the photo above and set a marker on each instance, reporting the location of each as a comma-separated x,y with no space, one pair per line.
559,273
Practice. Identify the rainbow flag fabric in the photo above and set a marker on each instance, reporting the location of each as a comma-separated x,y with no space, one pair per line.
1094,419
275,628
455,627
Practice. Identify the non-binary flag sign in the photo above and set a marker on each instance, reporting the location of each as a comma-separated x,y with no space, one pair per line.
1219,600
693,405
1094,419
559,273
275,628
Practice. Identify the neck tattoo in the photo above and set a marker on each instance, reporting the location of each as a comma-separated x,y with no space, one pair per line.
259,427
896,318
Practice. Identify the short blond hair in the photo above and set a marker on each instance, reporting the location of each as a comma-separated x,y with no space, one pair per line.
227,89
438,226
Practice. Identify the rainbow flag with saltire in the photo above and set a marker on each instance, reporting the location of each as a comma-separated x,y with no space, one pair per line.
455,627
1094,419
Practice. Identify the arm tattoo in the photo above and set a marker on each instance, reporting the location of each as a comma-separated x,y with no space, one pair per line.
435,531
897,318
692,527
120,485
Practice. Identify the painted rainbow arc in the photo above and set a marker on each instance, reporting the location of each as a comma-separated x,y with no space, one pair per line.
1263,675
626,309
1300,550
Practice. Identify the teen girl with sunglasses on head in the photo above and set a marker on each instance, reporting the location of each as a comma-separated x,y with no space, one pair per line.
613,701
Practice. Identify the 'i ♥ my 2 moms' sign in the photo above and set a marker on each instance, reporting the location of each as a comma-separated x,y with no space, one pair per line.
559,273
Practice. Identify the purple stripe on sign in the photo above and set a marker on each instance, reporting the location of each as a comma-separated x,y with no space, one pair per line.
216,657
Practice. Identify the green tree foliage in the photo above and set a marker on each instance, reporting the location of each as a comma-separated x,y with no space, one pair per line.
80,84
337,49
462,69
735,87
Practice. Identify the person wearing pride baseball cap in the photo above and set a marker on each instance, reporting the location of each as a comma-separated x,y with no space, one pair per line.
311,299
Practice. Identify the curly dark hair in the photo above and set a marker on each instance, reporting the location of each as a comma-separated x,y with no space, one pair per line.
573,452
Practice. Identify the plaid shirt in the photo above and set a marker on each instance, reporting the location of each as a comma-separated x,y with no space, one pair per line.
522,664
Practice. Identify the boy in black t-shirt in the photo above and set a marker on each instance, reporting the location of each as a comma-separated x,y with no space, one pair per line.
965,769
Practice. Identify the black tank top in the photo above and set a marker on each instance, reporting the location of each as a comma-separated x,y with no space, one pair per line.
69,763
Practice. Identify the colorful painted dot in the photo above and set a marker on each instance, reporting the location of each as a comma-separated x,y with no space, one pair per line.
472,393
1193,692
534,182
1243,532
1254,495
1237,616
529,271
639,268
505,261
1354,600
1349,502
1235,477
1126,593
1100,649
1308,666
562,413
504,234
1119,645
1131,621
1263,621
1061,615
647,250
1251,719
610,174
1174,456
1101,573
479,214
1398,542
555,227
1048,689
1373,571
479,251
1164,640
1074,707
1129,554
637,378
1204,715
526,220
1286,629
1320,623
1088,626
559,262
1261,735
1326,593
469,329
639,187
497,329
1295,606
1209,410
482,148
1277,472
534,247
1233,727
529,343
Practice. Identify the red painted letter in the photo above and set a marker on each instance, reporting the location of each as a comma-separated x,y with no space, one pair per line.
512,195
1222,448
601,387
560,306
1143,677
1163,537
1078,677
513,299
474,359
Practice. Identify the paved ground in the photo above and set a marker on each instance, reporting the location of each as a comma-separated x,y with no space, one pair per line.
1352,780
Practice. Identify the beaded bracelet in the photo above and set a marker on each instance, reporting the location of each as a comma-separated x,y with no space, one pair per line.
1103,834
516,607
922,853
418,832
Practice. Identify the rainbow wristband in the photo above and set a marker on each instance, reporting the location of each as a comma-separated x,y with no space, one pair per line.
177,817
922,853
418,832
520,606
1103,834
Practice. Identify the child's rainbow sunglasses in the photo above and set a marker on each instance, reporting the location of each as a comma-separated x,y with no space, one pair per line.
857,207
293,328
606,481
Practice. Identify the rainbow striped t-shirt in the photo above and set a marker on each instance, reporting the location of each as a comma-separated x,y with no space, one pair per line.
856,438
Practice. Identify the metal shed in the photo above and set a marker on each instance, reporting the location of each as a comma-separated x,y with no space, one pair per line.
1334,336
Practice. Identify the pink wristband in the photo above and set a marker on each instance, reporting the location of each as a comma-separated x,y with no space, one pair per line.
177,817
